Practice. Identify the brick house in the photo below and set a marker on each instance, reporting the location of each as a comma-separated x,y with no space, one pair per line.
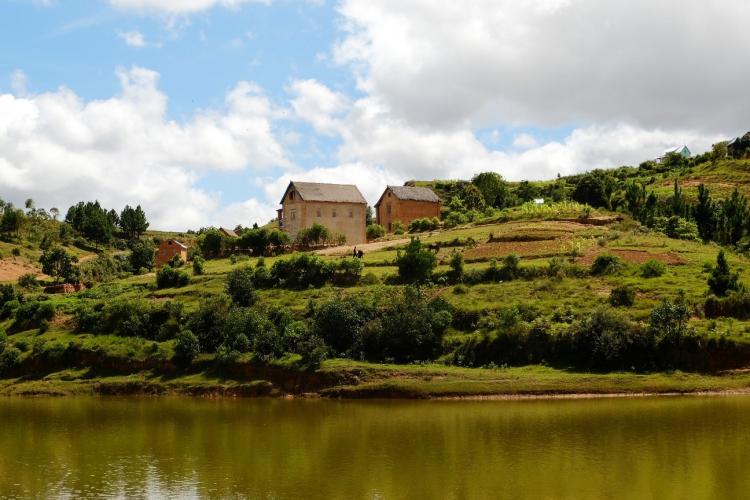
339,207
404,204
168,249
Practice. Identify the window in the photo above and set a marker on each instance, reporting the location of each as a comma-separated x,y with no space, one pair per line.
333,213
293,214
317,213
291,195
388,209
351,214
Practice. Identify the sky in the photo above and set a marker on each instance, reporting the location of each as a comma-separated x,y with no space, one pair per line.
202,111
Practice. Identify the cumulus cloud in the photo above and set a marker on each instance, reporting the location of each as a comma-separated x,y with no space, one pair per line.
318,105
177,7
61,149
667,64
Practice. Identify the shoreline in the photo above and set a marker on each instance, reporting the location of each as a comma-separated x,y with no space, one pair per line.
342,380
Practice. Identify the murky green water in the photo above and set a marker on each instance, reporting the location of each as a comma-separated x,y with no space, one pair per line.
665,448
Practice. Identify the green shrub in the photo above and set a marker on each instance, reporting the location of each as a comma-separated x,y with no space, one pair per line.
302,271
3,340
369,279
622,296
198,265
456,264
608,340
607,265
460,290
31,314
375,231
186,347
736,305
348,271
398,227
7,293
416,263
169,277
653,269
10,359
339,322
27,281
240,286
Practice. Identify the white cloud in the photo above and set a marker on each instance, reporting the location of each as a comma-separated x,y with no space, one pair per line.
18,82
61,149
178,7
524,141
318,105
669,64
133,38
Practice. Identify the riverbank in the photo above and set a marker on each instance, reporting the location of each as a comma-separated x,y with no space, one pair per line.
353,380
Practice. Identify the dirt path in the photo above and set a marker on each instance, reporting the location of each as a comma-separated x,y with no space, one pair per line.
365,247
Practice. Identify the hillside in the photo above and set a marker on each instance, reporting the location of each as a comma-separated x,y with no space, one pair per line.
554,292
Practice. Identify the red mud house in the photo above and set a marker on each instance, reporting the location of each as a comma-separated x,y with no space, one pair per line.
339,207
168,249
406,203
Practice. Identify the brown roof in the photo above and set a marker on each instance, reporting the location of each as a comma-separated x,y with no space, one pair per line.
228,232
412,193
316,191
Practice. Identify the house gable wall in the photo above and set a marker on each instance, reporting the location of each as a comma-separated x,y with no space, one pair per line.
404,211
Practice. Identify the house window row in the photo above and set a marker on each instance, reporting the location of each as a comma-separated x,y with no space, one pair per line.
334,213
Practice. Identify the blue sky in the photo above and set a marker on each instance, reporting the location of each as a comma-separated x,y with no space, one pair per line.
213,105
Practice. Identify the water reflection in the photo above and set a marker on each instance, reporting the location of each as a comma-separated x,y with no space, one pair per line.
183,448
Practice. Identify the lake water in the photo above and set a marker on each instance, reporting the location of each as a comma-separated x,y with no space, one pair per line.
663,448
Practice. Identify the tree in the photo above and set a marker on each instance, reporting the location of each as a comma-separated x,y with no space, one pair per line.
186,347
141,255
493,187
54,212
472,197
416,263
719,151
59,264
211,243
635,197
595,189
526,191
722,280
369,219
92,221
133,222
705,214
240,286
375,231
733,218
11,221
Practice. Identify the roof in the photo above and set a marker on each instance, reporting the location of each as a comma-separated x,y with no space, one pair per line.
169,242
412,193
228,232
334,193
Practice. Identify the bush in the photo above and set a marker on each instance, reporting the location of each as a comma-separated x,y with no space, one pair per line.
424,224
375,231
169,277
607,340
398,227
348,271
369,279
10,359
27,281
653,269
456,264
339,322
622,296
736,305
186,347
301,271
416,263
31,314
198,265
317,234
240,286
607,265
7,293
